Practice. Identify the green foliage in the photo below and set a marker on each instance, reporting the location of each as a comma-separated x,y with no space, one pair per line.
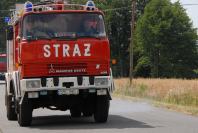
168,39
140,7
143,67
119,34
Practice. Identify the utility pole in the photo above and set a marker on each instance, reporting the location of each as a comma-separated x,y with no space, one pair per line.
133,12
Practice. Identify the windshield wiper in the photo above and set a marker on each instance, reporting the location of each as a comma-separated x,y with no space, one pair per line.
31,38
43,37
89,36
64,37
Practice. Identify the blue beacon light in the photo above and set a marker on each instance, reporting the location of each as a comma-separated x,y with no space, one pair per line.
90,5
7,19
28,6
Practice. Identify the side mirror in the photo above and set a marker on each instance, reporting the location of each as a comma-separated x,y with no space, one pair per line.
9,33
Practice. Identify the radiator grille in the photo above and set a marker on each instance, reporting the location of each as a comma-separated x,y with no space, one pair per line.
63,69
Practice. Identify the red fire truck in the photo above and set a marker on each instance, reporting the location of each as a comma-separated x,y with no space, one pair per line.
58,58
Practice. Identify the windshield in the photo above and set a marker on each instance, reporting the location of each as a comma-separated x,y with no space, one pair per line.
67,25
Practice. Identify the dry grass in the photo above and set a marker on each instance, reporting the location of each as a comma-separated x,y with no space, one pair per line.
171,91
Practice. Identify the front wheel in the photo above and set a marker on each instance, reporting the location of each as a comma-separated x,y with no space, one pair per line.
102,109
10,106
75,113
25,113
87,114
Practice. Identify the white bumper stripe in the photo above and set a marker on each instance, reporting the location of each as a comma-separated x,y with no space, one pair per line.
50,84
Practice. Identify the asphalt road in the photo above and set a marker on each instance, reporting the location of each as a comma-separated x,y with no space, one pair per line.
125,116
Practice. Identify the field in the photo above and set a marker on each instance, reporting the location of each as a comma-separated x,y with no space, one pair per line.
176,94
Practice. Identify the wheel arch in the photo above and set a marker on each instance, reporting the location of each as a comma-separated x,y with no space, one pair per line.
13,83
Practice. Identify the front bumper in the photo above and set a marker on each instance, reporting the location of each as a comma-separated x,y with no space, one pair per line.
66,83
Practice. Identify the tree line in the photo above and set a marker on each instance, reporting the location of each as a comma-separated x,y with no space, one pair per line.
165,42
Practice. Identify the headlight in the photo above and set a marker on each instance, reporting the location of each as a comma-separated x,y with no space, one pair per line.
33,84
101,81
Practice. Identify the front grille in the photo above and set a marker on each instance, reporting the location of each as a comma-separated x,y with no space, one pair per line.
91,80
56,81
80,80
43,82
77,68
63,69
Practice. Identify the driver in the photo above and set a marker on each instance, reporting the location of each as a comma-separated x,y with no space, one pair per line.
90,26
28,28
36,29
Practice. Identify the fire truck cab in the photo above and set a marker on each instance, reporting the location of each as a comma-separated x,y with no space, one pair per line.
58,58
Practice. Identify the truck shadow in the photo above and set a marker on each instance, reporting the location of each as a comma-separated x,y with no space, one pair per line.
66,122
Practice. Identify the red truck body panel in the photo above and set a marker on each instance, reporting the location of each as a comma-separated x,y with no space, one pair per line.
35,64
3,65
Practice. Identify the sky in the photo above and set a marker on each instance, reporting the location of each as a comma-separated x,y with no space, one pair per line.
192,10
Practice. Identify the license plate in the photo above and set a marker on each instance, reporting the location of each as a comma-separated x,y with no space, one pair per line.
68,92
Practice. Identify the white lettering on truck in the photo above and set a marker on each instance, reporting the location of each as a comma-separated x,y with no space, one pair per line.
56,46
76,50
66,48
47,52
87,49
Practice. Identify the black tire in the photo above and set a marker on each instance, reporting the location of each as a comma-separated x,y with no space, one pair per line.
87,110
88,107
6,94
25,113
75,113
87,114
102,109
10,107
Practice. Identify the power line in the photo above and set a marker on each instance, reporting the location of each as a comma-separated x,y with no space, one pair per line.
115,9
